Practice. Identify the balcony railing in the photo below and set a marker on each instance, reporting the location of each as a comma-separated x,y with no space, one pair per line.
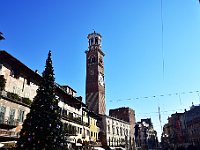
73,119
15,98
69,130
86,124
8,123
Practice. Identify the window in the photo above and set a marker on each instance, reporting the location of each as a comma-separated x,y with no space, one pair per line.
64,112
11,117
100,60
77,131
121,131
2,113
80,130
92,41
108,128
126,131
21,115
92,60
70,115
117,131
88,132
14,73
1,66
91,133
28,81
96,40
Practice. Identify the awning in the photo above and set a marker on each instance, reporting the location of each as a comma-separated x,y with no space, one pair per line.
78,144
1,145
68,141
98,148
8,143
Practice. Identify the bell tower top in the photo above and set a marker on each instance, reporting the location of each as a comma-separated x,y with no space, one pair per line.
94,39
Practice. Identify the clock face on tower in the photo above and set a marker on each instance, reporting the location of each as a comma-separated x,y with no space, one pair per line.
101,80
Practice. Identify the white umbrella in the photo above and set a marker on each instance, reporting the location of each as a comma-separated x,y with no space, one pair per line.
1,145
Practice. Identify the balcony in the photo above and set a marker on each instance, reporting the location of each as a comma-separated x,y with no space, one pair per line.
15,98
86,124
8,123
71,118
69,130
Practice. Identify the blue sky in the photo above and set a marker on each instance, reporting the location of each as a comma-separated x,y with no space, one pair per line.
132,42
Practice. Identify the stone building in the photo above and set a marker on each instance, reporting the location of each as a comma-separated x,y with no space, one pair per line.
72,118
126,114
176,134
183,129
117,131
192,120
146,136
94,129
16,97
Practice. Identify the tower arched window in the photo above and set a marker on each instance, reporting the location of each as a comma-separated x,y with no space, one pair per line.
92,40
96,40
91,59
89,42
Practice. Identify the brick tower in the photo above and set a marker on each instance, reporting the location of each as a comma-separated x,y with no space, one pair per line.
95,85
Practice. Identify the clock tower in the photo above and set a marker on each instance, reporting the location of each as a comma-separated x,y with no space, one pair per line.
95,85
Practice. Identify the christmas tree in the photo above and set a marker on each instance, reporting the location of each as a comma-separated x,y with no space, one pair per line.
42,129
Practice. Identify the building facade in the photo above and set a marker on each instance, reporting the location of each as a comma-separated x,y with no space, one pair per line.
95,85
16,96
117,131
145,135
72,118
183,129
192,121
128,115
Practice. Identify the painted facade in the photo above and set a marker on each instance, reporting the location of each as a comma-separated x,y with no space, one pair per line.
126,114
94,129
15,98
117,131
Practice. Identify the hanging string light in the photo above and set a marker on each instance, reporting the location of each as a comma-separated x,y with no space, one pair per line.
157,96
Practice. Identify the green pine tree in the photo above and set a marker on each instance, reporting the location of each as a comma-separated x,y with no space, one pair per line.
42,129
